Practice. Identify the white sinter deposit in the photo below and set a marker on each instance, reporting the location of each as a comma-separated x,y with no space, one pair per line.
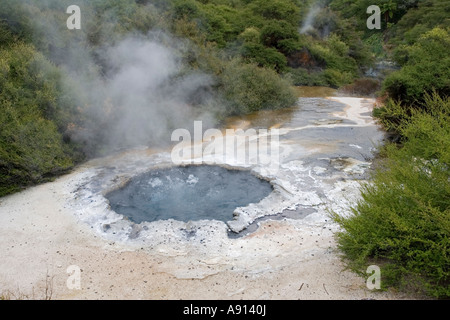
286,249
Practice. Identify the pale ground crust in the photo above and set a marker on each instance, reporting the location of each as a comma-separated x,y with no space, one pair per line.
40,238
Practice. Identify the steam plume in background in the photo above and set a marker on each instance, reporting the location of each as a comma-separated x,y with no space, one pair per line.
131,90
320,21
308,23
145,96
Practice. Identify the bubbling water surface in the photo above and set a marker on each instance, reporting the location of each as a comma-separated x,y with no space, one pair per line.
188,193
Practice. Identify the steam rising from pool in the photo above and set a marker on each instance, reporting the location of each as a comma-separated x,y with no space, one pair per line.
139,198
189,193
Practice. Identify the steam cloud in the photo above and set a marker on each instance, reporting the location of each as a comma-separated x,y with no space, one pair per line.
131,90
308,23
319,19
145,95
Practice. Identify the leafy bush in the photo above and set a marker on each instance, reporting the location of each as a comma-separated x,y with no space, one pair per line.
302,77
423,17
31,147
327,78
336,78
392,10
427,68
250,35
287,10
275,31
402,221
264,57
185,9
249,88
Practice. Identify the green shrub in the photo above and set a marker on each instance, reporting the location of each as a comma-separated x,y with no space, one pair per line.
250,35
185,8
31,146
287,10
427,68
249,88
426,15
335,55
275,31
402,221
336,78
302,77
263,56
326,78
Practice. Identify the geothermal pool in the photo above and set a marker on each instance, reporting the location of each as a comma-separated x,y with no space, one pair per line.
140,196
188,193
281,247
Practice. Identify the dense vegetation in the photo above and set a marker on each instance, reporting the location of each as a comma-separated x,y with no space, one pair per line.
31,146
58,107
402,222
278,35
59,99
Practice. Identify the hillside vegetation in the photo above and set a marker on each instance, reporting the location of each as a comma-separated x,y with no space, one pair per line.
57,97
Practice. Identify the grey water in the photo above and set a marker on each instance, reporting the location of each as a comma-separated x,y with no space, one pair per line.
188,193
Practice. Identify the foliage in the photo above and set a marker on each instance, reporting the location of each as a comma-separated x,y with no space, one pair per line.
280,10
275,31
332,65
43,110
392,11
302,77
427,68
402,221
423,16
267,33
403,218
248,88
31,147
263,56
